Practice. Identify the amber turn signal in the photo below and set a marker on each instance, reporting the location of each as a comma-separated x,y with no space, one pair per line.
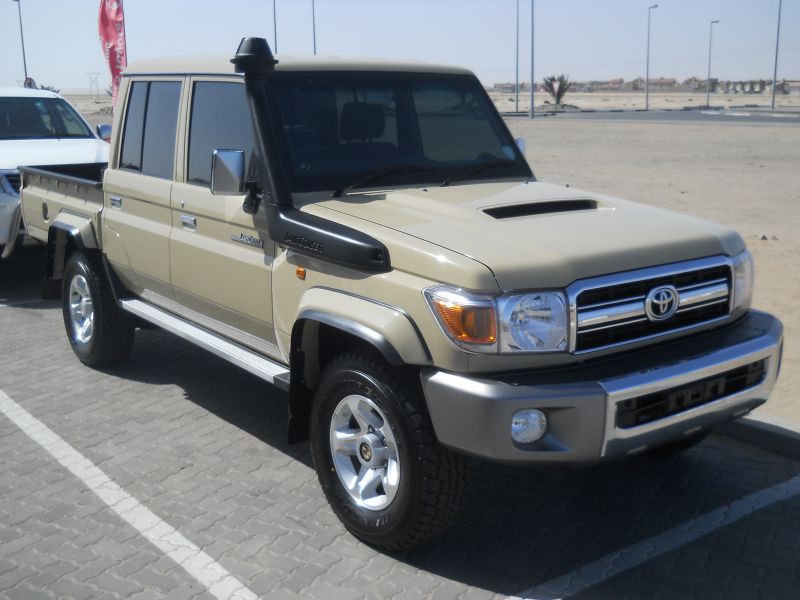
472,324
301,273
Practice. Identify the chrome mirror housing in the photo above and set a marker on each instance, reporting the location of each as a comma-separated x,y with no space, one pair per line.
227,172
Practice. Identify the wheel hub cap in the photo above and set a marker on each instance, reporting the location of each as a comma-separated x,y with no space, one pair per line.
364,452
81,309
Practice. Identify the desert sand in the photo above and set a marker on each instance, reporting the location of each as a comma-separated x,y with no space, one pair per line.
631,100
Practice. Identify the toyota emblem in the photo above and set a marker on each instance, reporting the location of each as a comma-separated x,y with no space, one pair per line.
661,303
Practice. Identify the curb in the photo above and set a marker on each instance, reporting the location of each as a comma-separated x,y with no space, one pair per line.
765,436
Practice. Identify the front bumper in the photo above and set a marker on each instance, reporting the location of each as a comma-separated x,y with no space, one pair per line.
473,415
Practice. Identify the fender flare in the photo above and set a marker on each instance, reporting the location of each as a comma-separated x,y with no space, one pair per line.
78,227
388,329
66,227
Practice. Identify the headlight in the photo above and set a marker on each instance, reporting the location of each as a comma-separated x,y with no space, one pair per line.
535,322
743,276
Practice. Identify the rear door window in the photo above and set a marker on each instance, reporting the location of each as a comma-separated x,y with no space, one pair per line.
151,124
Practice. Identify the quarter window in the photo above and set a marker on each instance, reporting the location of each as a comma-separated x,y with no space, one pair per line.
220,120
151,124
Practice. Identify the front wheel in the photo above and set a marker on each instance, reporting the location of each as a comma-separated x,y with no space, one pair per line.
378,462
100,333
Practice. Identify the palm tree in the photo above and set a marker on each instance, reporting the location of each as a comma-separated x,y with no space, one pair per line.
557,87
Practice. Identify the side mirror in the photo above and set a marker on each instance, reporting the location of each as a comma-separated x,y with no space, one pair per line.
521,145
104,132
227,172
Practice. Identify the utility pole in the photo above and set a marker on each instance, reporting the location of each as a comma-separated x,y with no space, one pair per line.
533,78
314,24
516,81
647,67
777,43
275,25
94,86
22,38
708,78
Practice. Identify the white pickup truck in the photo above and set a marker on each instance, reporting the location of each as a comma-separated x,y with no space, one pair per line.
38,127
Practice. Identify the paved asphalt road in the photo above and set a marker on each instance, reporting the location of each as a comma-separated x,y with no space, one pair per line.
201,444
690,116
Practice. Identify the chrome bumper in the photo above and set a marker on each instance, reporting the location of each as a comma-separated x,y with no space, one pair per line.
473,415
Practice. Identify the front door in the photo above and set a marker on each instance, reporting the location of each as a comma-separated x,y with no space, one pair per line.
221,257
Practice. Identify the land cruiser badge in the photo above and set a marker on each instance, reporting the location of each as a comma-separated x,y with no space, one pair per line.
243,238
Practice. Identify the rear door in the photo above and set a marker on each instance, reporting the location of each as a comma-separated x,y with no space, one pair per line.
137,218
220,257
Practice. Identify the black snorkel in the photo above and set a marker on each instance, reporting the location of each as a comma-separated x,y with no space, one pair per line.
302,232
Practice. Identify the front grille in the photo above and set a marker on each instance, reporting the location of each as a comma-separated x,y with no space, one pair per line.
614,313
15,179
646,409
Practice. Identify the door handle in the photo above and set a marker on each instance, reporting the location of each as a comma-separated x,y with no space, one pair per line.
189,222
115,201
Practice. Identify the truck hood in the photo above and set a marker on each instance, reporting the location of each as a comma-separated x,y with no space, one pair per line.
538,235
15,153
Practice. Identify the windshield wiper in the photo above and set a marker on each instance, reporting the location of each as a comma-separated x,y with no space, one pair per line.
475,169
377,175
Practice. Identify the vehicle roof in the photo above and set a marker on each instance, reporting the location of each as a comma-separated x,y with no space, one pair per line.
19,92
221,65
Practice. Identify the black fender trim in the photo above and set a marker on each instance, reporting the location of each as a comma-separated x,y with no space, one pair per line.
300,394
372,337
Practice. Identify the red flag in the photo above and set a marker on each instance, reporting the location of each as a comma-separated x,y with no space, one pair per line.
112,38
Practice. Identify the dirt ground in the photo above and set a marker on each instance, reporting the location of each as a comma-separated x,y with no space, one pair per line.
746,176
634,100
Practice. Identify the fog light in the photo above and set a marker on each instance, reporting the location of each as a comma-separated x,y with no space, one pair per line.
528,426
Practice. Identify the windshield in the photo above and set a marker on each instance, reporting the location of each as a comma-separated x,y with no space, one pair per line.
340,128
40,118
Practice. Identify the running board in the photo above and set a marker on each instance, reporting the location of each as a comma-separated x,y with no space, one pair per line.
248,360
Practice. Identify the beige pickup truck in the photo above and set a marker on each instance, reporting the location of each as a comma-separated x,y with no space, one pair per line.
368,237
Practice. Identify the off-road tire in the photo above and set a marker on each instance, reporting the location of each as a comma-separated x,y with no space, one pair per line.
432,478
113,331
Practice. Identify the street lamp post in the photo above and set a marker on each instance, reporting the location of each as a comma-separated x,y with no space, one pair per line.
516,69
314,23
275,25
22,38
647,67
533,78
708,77
777,42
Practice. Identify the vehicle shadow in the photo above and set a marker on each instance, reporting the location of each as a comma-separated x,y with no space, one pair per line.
520,526
21,275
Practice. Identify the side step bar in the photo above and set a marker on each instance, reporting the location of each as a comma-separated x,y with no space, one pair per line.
248,360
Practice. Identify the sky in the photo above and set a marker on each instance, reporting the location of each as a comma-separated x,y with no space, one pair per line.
585,39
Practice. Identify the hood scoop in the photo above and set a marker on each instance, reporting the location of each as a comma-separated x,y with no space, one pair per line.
539,208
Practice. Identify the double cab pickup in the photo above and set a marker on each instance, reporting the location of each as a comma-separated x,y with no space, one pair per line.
368,237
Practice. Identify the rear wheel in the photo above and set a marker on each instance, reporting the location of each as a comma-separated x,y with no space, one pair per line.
100,333
378,462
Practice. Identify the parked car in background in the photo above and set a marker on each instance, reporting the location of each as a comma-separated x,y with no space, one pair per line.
40,128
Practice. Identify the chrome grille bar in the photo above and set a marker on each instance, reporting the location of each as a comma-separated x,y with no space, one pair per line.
704,296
